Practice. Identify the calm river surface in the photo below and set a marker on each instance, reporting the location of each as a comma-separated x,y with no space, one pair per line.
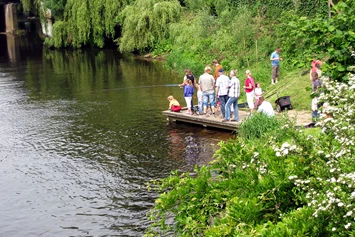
80,135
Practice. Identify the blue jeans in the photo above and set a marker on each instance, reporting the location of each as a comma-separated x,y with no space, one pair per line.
234,101
210,97
315,115
223,99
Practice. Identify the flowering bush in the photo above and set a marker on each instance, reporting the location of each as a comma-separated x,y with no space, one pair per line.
284,183
330,190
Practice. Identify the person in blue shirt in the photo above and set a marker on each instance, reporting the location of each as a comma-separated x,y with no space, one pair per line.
188,93
275,63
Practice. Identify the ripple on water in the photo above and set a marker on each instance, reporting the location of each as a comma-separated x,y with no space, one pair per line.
76,162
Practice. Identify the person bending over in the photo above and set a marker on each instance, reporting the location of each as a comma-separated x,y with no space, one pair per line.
265,107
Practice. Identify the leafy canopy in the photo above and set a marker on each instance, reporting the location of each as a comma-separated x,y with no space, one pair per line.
146,23
86,22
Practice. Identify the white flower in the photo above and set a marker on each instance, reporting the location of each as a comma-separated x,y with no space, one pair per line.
293,148
278,154
347,225
292,177
334,229
285,145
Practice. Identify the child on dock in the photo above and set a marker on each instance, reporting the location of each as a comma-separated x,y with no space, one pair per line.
188,93
258,93
200,99
174,105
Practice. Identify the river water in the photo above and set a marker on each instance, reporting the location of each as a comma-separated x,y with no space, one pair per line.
81,135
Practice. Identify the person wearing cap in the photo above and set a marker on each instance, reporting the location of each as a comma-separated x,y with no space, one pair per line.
207,83
217,67
275,64
266,107
222,83
249,89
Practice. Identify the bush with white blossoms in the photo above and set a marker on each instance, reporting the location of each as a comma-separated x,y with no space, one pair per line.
330,188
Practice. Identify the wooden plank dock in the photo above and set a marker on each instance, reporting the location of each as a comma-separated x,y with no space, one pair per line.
203,120
303,118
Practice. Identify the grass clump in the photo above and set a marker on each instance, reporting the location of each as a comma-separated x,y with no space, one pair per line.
258,125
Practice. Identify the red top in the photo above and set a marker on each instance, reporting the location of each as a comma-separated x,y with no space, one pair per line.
314,63
248,81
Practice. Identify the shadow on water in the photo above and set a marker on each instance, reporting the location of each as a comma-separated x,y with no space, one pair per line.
82,133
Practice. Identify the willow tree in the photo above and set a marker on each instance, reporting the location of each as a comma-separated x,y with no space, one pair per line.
146,22
29,5
87,22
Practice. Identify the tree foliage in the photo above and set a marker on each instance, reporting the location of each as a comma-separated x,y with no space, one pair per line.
87,22
331,39
56,6
146,23
30,5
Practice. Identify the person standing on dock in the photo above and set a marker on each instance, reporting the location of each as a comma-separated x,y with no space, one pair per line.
191,77
275,64
217,67
188,93
234,93
206,82
249,89
222,83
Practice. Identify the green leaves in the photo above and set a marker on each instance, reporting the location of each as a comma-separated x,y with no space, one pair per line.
146,23
85,22
328,38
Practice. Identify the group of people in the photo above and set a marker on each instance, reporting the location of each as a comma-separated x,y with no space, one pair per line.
220,91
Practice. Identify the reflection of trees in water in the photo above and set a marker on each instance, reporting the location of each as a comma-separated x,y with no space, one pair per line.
85,71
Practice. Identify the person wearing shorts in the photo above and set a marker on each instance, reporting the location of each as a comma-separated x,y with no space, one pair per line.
206,82
275,64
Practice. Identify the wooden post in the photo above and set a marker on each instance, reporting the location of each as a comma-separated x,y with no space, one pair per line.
11,21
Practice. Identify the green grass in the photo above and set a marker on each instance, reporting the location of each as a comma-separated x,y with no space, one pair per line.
296,86
290,84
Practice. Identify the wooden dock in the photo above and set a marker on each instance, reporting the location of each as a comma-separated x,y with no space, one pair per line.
302,118
203,120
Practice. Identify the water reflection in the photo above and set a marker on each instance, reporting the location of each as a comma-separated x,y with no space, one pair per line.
82,133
